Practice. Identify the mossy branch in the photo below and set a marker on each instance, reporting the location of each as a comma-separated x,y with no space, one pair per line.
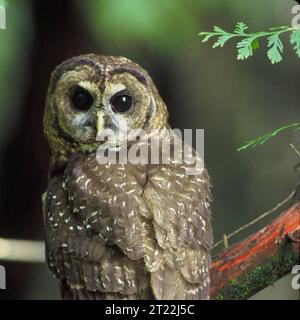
246,268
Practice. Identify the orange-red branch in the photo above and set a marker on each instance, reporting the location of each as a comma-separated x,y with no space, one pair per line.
239,259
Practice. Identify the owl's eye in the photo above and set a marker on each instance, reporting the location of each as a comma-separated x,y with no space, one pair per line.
121,102
82,99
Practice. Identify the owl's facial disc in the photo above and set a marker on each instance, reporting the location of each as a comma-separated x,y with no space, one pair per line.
89,94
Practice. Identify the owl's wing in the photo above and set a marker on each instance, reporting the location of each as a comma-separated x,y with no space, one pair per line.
178,251
114,230
93,232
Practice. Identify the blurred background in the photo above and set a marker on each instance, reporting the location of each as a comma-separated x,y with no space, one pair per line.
202,87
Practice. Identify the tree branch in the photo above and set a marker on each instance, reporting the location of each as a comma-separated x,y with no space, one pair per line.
245,268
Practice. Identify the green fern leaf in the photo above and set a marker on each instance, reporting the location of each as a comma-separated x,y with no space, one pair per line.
255,44
245,49
276,48
240,28
206,35
250,42
264,138
219,30
295,40
222,40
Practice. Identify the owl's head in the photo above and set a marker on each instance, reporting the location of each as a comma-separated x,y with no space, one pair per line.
91,93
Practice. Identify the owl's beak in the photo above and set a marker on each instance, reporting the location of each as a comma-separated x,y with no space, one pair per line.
100,121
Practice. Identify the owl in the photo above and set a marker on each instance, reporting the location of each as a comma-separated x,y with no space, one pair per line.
119,230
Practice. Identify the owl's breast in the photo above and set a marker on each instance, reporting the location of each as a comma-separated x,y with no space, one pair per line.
107,200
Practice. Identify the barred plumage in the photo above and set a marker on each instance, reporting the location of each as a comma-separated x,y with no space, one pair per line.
120,231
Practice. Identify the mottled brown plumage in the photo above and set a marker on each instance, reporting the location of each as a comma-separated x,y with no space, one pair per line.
119,231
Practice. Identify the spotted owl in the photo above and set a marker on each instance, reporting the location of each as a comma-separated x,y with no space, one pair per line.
121,230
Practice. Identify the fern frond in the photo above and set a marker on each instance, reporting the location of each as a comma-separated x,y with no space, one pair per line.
245,48
295,40
276,48
240,28
251,41
264,138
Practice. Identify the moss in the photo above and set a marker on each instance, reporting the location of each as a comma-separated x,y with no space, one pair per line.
263,275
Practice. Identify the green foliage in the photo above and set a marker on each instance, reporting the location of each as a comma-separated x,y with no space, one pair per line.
15,44
3,3
250,42
264,138
126,26
276,48
246,46
295,40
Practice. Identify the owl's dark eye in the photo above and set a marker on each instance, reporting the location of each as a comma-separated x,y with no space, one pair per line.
82,99
121,102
